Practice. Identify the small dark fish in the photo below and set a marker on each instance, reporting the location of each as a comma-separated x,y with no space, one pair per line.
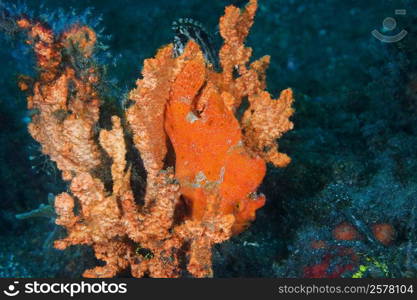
187,29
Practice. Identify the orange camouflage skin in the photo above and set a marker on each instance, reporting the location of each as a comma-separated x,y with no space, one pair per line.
182,108
210,155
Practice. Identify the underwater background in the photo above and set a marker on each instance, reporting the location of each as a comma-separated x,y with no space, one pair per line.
353,148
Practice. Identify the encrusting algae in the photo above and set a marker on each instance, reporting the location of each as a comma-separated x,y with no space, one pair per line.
199,158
